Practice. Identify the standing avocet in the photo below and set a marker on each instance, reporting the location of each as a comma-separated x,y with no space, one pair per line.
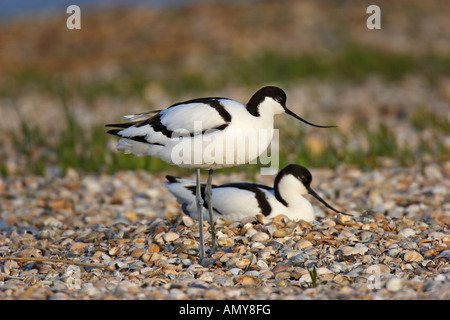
237,200
205,133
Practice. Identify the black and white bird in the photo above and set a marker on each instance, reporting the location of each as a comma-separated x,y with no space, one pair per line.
205,133
237,200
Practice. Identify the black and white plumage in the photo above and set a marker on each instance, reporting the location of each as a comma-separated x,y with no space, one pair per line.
208,125
210,122
235,201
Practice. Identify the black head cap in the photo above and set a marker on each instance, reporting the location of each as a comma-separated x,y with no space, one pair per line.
302,174
273,92
278,95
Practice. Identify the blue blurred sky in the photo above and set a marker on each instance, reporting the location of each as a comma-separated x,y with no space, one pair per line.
14,8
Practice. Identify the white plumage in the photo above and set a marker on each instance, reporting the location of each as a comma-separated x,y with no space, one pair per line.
211,130
235,201
205,133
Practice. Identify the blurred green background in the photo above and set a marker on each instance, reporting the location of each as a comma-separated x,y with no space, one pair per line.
387,90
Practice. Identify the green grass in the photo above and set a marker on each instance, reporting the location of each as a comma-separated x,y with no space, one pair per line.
423,119
313,275
349,63
88,151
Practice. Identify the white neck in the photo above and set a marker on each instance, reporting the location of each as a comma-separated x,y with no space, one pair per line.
269,107
292,191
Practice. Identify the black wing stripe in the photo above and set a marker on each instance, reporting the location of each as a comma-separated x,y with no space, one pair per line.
213,103
156,124
263,203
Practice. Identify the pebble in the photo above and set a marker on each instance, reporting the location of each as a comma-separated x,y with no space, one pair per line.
348,250
407,232
260,237
355,272
338,267
303,244
283,232
170,236
412,256
394,284
299,258
145,253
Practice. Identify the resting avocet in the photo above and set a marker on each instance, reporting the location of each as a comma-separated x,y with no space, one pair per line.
237,200
205,133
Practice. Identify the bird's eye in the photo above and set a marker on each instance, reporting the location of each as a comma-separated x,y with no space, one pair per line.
279,99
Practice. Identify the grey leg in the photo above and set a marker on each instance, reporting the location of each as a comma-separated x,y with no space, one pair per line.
208,192
198,197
